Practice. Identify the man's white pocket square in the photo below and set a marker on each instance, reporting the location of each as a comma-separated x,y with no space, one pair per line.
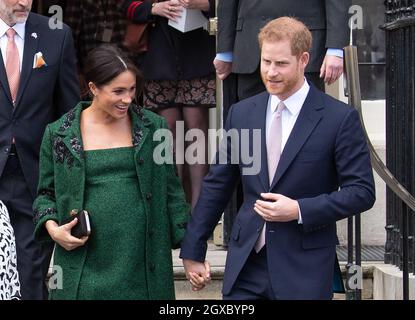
39,61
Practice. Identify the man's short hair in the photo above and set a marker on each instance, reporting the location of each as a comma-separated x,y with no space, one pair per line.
287,28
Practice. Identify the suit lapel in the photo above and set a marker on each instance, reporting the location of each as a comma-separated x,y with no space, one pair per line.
30,48
259,115
3,78
307,120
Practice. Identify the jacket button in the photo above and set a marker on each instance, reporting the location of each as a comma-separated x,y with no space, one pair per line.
148,196
141,161
152,267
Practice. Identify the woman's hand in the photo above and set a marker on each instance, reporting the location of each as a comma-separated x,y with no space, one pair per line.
62,234
171,9
203,5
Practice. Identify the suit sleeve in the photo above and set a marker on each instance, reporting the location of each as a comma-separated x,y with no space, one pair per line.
44,205
227,17
355,178
217,188
337,23
67,92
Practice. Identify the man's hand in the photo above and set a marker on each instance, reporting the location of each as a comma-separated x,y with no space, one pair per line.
277,208
331,69
62,234
223,68
198,273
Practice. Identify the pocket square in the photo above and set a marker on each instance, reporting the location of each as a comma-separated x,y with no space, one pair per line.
39,61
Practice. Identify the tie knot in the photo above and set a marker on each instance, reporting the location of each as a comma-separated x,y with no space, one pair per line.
11,33
280,108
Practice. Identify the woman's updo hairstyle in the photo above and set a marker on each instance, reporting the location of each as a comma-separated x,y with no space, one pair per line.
105,63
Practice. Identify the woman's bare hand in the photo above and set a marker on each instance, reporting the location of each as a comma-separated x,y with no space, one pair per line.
62,234
203,5
171,9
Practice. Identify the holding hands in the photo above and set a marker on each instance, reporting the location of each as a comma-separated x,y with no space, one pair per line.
198,273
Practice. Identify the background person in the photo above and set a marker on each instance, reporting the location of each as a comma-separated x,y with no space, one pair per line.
239,22
38,84
9,280
180,78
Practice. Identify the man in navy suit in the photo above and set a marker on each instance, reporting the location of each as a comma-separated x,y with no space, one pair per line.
38,84
314,170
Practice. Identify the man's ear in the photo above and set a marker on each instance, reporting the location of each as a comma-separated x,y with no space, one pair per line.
304,59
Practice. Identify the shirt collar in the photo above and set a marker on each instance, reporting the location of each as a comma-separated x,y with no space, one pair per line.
294,102
18,27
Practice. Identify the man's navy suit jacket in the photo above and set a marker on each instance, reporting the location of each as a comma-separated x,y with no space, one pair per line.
44,94
325,166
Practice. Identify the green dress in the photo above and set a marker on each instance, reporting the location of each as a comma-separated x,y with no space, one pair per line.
115,261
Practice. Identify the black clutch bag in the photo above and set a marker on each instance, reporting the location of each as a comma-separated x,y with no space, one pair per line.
83,226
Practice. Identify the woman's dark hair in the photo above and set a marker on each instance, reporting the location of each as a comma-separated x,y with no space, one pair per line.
105,63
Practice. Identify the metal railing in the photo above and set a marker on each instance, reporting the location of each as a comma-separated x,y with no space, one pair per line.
400,135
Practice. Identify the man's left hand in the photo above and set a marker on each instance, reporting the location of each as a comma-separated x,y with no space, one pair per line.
277,208
331,69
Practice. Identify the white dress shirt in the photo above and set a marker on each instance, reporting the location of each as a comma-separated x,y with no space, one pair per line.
290,113
293,105
18,38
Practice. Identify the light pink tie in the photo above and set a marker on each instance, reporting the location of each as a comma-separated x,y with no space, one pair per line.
12,64
273,157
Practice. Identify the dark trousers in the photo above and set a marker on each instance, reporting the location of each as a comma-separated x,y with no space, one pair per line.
253,282
32,258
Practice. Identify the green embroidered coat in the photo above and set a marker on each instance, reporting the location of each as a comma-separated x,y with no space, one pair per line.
61,189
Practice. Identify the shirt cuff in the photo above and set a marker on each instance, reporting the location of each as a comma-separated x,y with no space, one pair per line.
300,219
225,56
334,52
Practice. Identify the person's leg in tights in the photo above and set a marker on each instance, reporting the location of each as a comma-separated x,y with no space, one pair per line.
197,117
172,115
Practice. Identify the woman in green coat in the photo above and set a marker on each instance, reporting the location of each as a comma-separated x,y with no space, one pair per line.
99,158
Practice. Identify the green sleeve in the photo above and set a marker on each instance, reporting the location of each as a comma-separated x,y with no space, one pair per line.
44,205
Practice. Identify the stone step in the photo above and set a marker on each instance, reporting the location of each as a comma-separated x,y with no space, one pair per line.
216,256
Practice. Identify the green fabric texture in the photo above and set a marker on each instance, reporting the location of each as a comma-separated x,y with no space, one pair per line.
113,203
154,224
